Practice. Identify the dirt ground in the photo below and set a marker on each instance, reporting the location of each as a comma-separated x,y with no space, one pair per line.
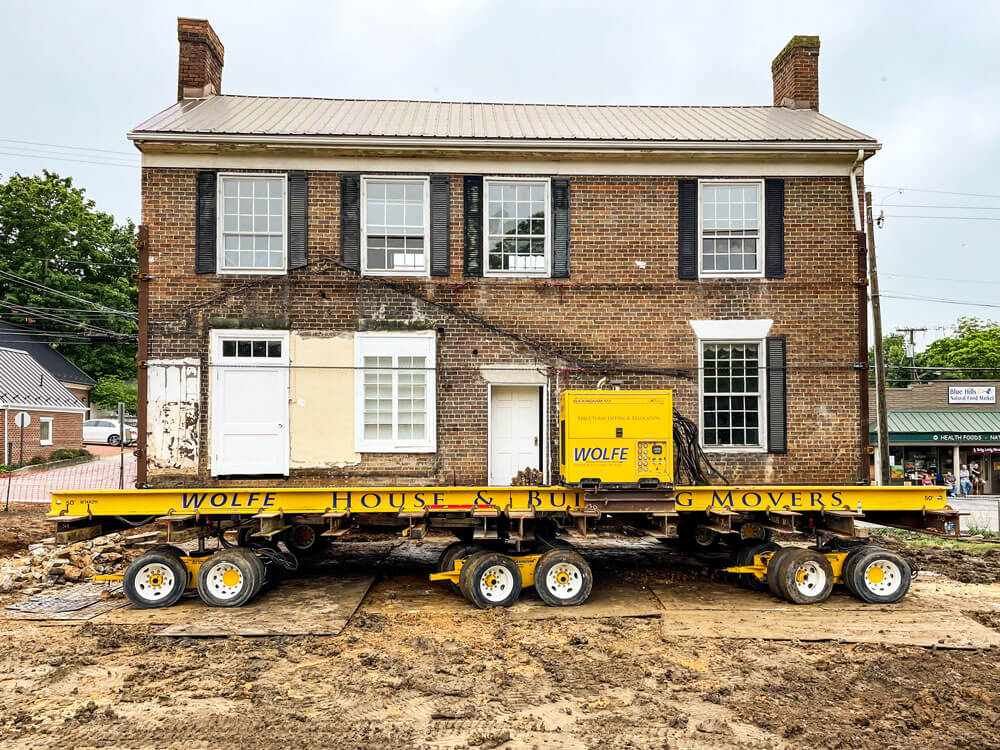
486,680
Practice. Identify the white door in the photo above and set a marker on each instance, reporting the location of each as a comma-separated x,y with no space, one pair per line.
250,403
515,431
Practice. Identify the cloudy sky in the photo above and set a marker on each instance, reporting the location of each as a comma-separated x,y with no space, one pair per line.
922,77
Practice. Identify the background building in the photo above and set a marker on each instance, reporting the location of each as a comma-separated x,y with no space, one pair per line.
941,425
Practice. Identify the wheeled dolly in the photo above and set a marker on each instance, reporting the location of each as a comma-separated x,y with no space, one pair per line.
493,579
807,576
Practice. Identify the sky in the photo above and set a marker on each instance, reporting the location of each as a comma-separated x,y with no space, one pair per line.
921,77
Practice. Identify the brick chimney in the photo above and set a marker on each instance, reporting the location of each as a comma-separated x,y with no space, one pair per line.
795,72
199,71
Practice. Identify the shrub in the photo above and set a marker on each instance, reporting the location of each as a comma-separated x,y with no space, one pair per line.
35,460
64,453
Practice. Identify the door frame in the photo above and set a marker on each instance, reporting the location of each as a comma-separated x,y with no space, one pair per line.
215,366
543,436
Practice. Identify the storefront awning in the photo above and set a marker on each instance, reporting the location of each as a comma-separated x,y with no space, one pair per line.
947,427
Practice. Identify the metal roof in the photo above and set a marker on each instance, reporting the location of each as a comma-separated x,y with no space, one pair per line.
273,117
25,383
942,421
17,337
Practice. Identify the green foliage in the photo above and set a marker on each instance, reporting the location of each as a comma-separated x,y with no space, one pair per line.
110,390
894,349
52,234
64,453
974,345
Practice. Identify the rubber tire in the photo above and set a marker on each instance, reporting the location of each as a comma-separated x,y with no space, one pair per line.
258,564
455,551
238,559
114,440
473,571
788,571
319,542
552,558
768,534
168,549
744,556
686,531
166,559
463,577
774,569
857,586
852,559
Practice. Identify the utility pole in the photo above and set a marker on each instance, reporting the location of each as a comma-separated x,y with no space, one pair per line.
883,470
911,350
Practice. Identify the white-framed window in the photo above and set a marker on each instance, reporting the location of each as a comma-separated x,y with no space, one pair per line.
731,400
45,431
395,225
395,392
252,217
517,227
731,227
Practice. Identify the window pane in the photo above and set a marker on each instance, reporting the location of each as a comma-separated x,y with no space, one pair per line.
260,348
523,210
730,227
243,348
228,348
252,217
394,226
730,406
273,348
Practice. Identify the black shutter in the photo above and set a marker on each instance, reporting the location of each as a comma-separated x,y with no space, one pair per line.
560,228
473,190
777,396
207,228
440,225
298,220
350,221
687,229
774,229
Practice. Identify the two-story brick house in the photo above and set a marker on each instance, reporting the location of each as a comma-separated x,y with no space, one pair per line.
356,292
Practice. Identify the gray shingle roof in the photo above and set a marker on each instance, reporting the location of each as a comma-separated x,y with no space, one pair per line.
274,117
25,383
938,421
17,337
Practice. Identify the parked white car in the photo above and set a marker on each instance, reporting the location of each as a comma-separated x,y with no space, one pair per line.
106,431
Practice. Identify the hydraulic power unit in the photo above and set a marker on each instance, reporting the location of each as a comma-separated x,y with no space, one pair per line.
616,439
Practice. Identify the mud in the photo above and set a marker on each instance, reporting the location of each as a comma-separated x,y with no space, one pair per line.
973,565
483,680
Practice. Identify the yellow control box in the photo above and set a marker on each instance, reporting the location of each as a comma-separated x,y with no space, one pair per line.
616,439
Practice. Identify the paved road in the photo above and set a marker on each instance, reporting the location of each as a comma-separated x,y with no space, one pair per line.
983,509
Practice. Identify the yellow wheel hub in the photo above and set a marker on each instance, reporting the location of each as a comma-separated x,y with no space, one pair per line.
562,578
875,574
231,578
800,576
490,581
156,580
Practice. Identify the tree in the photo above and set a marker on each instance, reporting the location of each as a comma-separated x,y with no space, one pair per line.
109,391
896,373
52,235
974,348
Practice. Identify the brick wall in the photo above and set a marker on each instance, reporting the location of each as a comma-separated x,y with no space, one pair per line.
67,432
610,316
200,57
795,73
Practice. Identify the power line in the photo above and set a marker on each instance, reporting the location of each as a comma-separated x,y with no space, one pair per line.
927,205
26,151
935,278
25,311
924,216
35,284
938,299
74,148
80,161
938,192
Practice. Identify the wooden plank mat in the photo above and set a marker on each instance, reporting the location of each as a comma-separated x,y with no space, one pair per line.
715,610
415,594
303,606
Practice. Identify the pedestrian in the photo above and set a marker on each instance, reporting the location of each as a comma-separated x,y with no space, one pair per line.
949,479
927,480
964,480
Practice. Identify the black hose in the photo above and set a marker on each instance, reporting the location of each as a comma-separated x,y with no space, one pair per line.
691,465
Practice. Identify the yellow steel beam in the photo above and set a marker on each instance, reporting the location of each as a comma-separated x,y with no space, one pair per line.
317,501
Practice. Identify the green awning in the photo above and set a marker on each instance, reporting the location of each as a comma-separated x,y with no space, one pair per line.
935,426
